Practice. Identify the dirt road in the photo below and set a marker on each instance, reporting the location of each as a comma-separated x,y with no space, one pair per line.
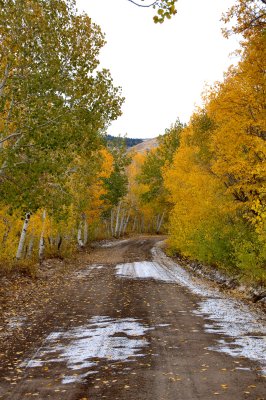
129,324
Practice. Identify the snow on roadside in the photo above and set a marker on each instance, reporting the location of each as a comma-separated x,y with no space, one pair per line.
243,332
232,318
163,269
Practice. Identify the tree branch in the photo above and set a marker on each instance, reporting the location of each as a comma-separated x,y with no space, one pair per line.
143,5
2,84
37,127
14,165
10,137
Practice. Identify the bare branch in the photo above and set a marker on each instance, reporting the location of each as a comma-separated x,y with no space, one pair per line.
14,165
144,5
3,83
10,137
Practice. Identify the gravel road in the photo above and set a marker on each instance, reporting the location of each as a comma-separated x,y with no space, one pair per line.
130,324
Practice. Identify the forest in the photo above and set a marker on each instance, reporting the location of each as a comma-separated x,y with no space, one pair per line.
64,184
129,142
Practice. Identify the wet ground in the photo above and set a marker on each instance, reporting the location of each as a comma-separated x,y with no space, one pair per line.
129,324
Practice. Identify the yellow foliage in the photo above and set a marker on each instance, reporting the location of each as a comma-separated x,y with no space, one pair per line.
238,108
10,228
217,181
137,189
198,198
86,200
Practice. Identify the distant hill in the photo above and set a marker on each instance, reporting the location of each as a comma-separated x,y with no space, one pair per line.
129,141
145,145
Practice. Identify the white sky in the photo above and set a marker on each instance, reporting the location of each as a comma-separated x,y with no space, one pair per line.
162,68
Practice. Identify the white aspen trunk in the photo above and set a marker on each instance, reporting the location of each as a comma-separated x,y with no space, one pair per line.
157,223
122,230
142,224
80,241
42,241
148,226
138,225
97,232
126,222
134,224
31,244
85,231
112,222
117,218
154,224
160,222
107,230
23,236
121,223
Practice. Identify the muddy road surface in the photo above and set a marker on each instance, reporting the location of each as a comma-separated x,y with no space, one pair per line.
130,324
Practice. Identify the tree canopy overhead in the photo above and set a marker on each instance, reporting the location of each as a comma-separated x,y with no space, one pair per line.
52,95
165,8
247,16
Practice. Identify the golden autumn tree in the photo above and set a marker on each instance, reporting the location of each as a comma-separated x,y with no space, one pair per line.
239,142
144,218
150,175
199,218
245,17
237,105
217,180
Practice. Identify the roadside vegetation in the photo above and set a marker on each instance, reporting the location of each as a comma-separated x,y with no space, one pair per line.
55,105
211,181
64,183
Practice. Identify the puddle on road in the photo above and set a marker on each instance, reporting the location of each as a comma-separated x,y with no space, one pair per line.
82,347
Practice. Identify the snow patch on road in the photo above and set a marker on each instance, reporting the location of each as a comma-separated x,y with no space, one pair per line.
86,272
75,379
16,322
114,243
234,319
245,332
84,346
144,270
180,275
162,269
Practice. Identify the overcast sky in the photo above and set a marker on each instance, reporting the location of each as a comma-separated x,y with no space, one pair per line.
162,69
